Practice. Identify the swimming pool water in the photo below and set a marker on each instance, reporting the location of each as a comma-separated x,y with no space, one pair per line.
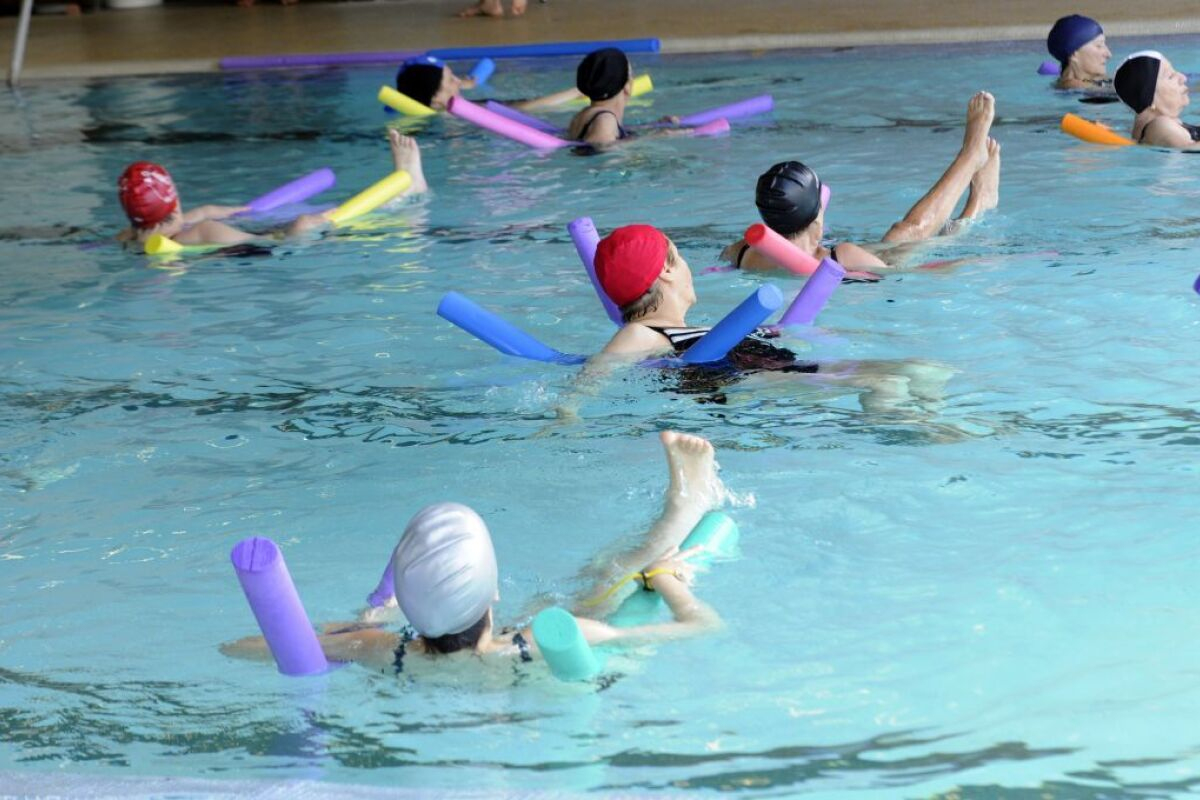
992,599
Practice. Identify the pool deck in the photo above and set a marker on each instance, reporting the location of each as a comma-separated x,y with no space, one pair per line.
192,38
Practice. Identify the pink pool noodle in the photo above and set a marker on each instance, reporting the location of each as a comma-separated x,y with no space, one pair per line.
281,617
478,115
584,235
780,250
826,193
518,116
296,191
744,108
814,294
714,128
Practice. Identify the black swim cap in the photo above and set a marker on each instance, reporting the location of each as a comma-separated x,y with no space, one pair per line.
602,74
788,197
1137,79
419,81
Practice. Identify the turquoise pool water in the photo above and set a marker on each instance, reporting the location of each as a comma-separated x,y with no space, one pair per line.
994,599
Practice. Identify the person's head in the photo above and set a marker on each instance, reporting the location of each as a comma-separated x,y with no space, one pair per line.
788,196
445,576
428,81
1078,42
1147,80
149,198
640,270
604,74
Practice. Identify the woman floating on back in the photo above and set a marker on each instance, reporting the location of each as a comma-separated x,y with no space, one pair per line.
1157,93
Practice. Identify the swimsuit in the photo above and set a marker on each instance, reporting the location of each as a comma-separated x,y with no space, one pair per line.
408,634
621,132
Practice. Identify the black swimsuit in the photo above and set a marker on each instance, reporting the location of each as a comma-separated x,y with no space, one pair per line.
752,354
408,634
587,126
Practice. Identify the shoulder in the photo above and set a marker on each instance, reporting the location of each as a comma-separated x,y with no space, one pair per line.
730,254
634,338
852,256
602,127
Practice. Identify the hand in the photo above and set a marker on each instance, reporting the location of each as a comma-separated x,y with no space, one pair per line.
223,212
670,120
308,222
468,83
676,565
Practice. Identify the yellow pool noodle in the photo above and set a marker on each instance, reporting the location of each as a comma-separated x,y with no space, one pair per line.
403,103
641,85
371,198
159,245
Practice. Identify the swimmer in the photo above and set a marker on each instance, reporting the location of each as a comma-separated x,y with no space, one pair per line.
446,581
788,197
432,83
643,273
1079,45
151,201
1157,93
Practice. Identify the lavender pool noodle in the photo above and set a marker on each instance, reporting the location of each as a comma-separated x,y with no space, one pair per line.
583,233
385,590
294,192
281,617
743,108
814,294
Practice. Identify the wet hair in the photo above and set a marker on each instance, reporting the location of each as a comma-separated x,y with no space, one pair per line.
788,196
419,81
453,642
644,305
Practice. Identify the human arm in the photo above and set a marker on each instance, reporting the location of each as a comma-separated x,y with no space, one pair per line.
203,213
1168,132
340,641
548,100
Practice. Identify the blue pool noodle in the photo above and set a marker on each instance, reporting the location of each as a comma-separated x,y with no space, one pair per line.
737,325
503,336
483,70
814,294
272,597
562,644
547,49
584,235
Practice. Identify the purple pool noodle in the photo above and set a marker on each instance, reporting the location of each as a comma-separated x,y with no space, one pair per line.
826,193
583,233
1196,285
315,60
814,294
517,116
744,108
1049,68
386,589
294,192
272,596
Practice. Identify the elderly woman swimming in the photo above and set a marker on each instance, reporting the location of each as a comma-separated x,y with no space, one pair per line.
1157,93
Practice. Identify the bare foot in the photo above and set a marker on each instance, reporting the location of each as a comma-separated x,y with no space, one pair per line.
484,8
985,189
406,155
692,463
518,7
981,110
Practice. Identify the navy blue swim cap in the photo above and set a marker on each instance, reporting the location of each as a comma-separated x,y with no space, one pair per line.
788,197
1069,34
420,79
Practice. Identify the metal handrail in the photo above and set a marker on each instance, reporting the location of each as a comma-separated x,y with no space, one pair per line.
18,56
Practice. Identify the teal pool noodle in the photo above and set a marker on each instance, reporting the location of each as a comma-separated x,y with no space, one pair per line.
563,646
716,532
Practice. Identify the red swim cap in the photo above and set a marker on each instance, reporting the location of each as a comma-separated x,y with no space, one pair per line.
147,194
629,261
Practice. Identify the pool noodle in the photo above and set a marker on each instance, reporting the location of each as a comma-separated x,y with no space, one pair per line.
483,70
276,605
159,245
1049,68
464,109
716,532
714,128
1093,132
314,59
642,84
545,49
385,590
814,294
743,108
780,250
735,326
500,334
564,646
518,116
371,198
294,192
584,235
403,103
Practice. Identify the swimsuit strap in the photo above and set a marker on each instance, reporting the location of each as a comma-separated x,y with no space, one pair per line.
587,126
522,647
737,262
833,253
407,634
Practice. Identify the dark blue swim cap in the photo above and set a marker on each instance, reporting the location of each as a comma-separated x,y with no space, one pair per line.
1069,34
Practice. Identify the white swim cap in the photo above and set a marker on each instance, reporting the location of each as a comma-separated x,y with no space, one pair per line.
444,569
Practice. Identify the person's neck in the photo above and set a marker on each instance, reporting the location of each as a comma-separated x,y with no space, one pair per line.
667,315
1076,73
806,241
614,104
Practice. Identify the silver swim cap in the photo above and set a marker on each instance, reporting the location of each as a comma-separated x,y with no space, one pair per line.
444,569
